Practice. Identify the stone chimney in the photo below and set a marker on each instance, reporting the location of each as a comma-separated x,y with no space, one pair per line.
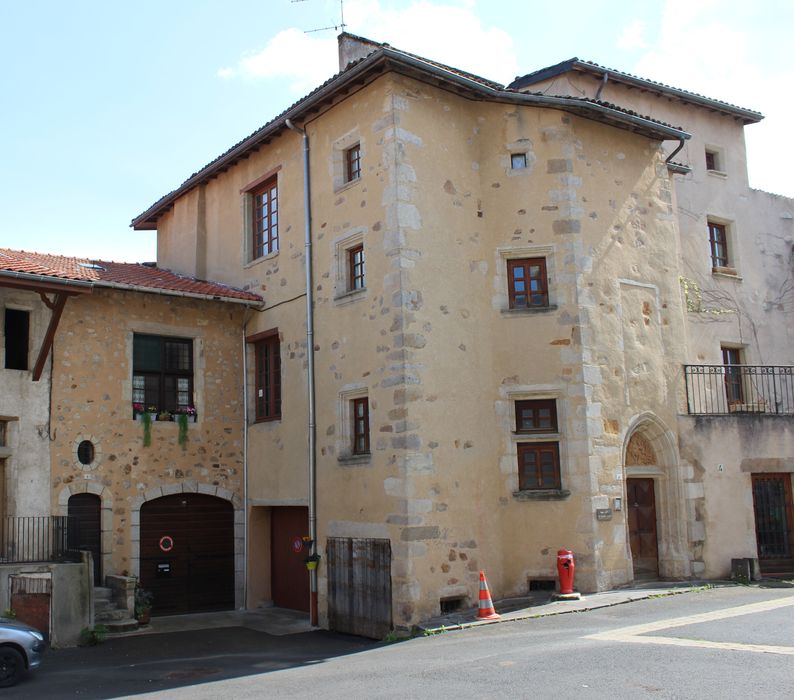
352,48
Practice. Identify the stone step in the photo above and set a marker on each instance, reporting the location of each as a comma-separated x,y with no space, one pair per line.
102,593
121,626
111,615
101,605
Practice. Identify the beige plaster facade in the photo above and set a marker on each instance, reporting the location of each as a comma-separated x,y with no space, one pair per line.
24,408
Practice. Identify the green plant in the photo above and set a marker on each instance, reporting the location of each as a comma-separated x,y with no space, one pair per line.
182,420
10,613
147,429
91,636
143,600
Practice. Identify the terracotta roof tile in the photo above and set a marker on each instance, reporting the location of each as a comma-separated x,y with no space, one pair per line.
103,273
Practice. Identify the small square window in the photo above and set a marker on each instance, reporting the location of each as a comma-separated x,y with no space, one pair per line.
538,466
536,416
714,160
527,283
359,410
353,163
718,240
355,261
518,161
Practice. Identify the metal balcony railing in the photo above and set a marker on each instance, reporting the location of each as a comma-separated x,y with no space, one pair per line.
39,539
713,390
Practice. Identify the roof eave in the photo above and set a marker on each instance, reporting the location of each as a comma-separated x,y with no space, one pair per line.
383,59
178,293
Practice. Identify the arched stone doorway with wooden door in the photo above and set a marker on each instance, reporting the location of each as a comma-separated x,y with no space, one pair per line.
654,507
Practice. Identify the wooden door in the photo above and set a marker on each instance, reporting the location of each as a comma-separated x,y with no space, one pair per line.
187,553
774,522
641,502
359,586
289,576
85,509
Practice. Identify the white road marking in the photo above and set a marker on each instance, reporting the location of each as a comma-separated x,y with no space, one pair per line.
634,632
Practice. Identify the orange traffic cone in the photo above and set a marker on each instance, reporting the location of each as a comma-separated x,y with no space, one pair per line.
486,611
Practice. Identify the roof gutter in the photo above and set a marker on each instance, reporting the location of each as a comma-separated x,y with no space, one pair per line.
176,293
46,279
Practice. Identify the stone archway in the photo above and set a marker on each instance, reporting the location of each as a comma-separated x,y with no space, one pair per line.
190,486
105,516
649,452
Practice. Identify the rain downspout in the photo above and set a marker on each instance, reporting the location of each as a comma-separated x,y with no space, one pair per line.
307,211
670,157
601,87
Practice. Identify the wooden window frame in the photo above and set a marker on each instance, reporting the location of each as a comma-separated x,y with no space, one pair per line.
359,428
164,399
356,278
265,236
734,377
535,299
536,483
353,163
267,378
518,161
718,242
712,159
537,405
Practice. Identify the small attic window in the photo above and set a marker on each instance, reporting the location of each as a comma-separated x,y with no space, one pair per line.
92,266
714,160
518,161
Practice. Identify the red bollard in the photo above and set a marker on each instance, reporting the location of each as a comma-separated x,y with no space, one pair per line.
565,569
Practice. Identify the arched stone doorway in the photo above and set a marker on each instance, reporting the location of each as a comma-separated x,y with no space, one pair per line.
187,553
655,515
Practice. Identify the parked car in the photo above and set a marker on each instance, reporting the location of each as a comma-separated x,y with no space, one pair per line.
21,647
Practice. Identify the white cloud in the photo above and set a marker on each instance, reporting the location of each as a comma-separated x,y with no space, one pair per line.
451,34
723,50
633,36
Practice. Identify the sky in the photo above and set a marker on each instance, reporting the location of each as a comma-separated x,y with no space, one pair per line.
108,106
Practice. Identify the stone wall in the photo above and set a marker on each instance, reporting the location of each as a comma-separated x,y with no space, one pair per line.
92,400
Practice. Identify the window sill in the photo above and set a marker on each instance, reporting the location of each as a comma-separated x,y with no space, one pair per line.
354,460
267,419
534,437
541,495
262,259
726,272
350,296
529,310
718,174
347,185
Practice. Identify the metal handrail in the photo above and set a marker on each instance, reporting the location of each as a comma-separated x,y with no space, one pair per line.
739,389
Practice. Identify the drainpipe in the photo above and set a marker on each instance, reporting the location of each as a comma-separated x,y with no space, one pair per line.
601,87
245,463
307,213
669,158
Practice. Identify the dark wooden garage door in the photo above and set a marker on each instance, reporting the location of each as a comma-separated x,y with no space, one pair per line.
187,553
290,578
85,508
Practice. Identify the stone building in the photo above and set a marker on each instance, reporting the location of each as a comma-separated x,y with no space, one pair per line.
733,439
152,498
506,299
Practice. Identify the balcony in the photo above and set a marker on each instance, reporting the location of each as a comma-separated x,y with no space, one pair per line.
717,390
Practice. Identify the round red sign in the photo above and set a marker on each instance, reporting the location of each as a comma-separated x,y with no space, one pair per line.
166,543
297,544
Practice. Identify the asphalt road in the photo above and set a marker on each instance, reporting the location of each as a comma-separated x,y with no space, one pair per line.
726,642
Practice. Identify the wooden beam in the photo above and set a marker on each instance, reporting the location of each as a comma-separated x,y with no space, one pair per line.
60,302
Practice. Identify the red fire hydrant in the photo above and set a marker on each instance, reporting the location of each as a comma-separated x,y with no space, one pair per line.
565,569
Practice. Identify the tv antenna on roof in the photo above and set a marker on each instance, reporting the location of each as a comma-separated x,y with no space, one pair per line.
341,24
